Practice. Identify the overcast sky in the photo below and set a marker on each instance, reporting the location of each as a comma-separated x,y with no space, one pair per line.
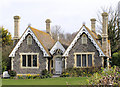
69,14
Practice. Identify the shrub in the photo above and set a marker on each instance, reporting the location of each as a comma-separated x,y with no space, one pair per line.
64,74
106,77
45,74
116,59
12,73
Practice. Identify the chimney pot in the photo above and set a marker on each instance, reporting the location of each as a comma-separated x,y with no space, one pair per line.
48,21
104,14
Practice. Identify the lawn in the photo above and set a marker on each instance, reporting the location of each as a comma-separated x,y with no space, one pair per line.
47,81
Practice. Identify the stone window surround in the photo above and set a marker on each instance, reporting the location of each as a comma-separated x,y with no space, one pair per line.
29,40
84,39
27,60
75,58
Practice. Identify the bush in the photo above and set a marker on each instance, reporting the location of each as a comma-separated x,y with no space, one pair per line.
106,77
12,73
45,74
116,59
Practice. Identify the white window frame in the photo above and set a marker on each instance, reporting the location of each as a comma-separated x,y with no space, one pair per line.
27,60
75,59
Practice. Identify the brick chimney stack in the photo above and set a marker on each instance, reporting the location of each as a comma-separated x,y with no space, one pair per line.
16,29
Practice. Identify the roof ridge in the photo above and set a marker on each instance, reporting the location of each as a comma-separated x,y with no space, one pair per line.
39,30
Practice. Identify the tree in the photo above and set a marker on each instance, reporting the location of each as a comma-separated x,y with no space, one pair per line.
7,45
6,38
56,30
64,38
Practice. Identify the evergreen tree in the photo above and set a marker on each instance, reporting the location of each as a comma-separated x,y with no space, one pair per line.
7,45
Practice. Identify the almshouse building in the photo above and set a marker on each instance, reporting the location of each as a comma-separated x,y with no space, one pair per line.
36,50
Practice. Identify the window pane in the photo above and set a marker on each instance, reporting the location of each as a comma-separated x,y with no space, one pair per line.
83,60
84,39
78,60
23,60
52,63
89,59
29,40
29,60
35,60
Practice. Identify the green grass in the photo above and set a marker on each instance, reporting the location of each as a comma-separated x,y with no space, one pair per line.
47,81
0,82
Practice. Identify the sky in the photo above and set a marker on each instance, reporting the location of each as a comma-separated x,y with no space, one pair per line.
69,14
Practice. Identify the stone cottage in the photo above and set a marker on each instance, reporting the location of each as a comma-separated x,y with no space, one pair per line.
36,50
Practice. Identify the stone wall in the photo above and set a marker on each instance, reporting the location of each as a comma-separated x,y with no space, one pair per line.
79,47
24,48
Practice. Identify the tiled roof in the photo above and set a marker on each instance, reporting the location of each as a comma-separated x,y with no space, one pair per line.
94,39
94,34
44,38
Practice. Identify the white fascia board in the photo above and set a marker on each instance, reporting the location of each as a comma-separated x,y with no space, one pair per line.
57,45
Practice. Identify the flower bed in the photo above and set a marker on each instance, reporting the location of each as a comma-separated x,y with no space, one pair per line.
80,72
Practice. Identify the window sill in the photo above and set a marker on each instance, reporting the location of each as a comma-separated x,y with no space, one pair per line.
84,67
29,67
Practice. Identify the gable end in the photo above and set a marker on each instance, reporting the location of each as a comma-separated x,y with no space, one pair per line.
57,45
28,31
81,31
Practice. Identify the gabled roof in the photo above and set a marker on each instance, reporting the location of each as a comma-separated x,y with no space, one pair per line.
39,37
45,39
57,45
85,30
94,34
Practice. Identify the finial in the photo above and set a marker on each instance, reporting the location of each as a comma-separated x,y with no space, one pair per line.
84,23
29,24
58,37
